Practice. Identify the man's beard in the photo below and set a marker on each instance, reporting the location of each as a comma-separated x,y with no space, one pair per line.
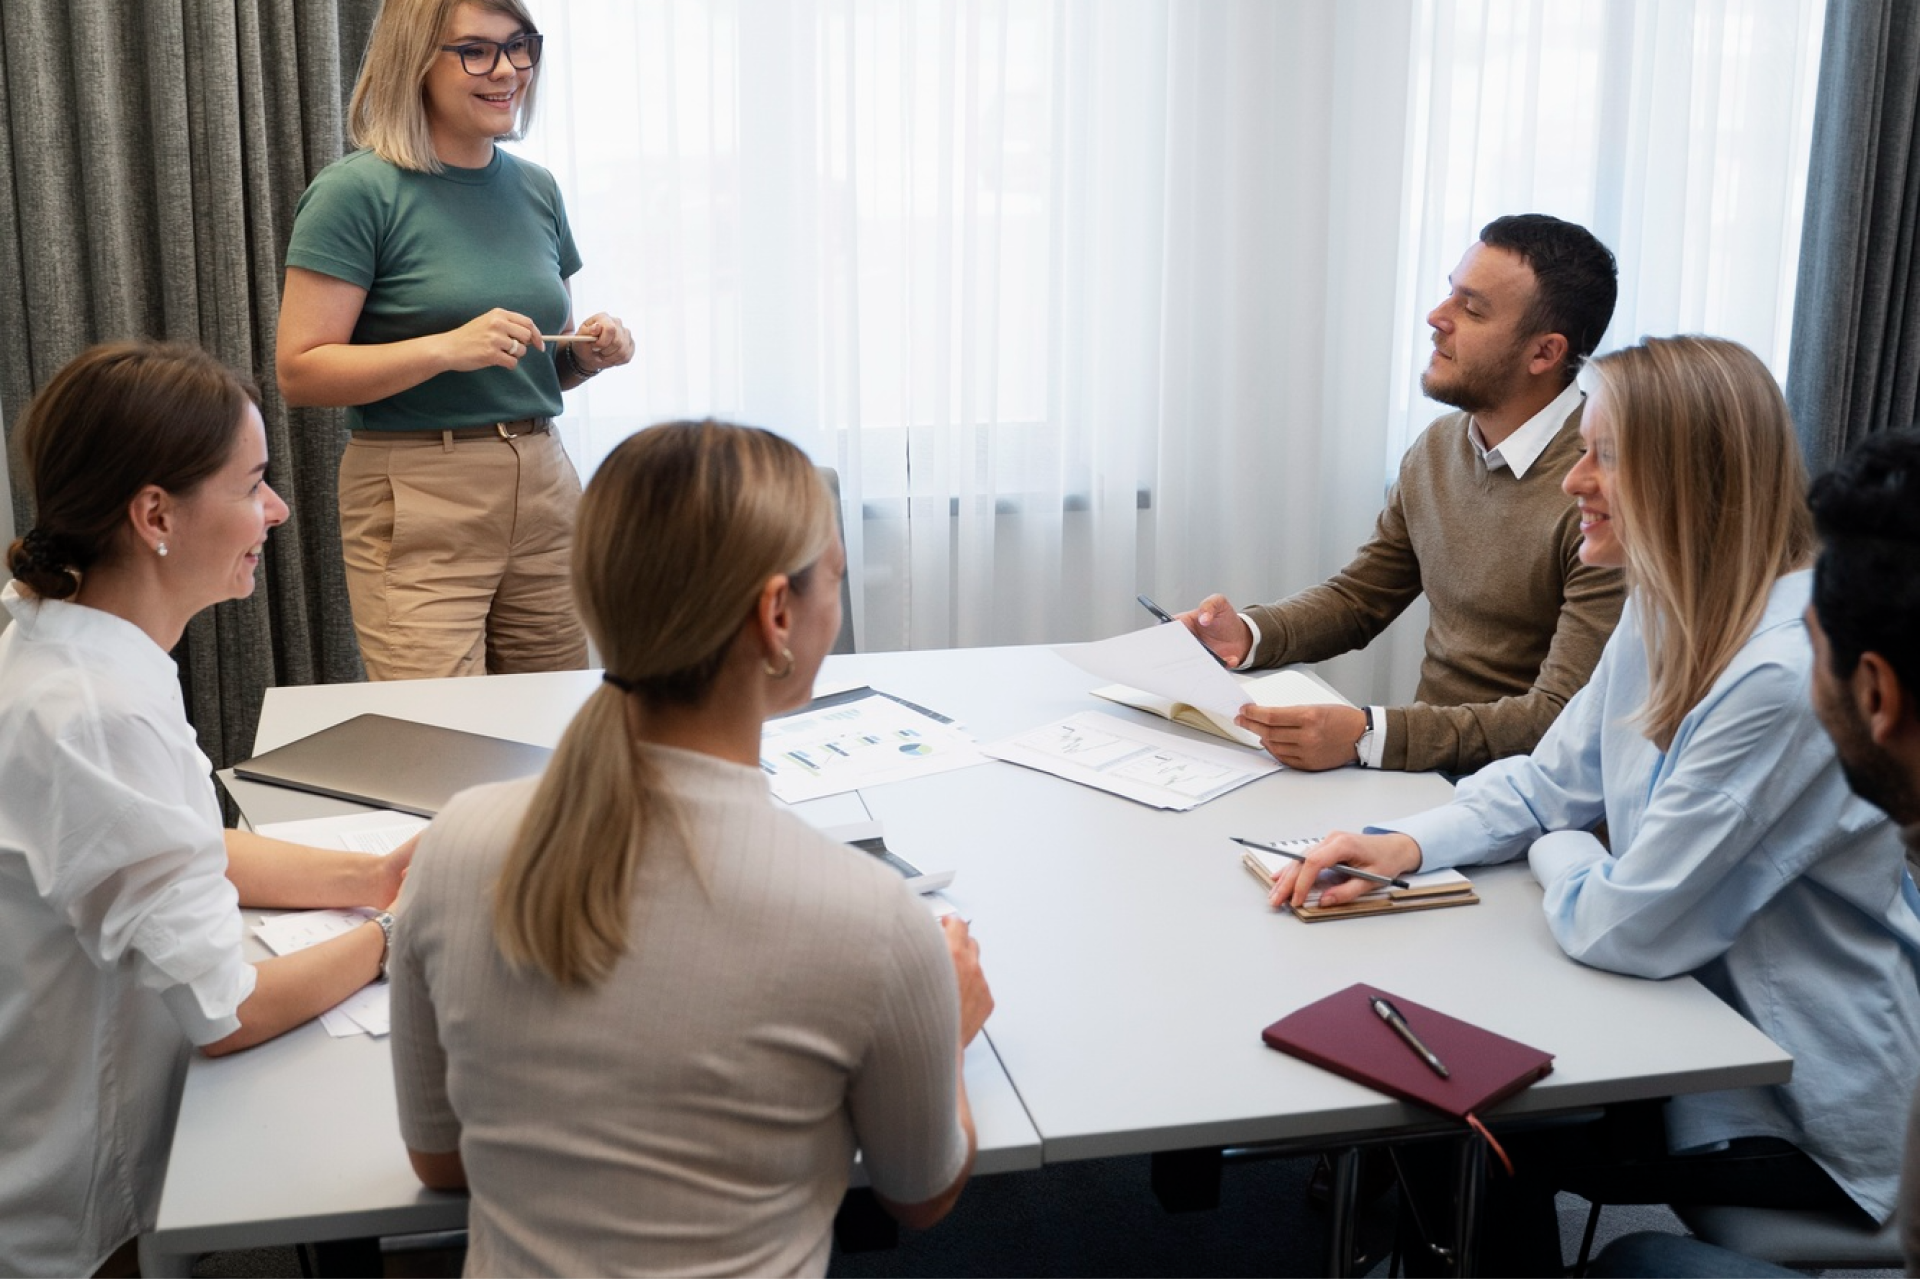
1874,775
1476,389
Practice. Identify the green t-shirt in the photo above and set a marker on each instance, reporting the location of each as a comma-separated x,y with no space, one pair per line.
434,250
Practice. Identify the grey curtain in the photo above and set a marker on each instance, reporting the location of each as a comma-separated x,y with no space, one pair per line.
1855,365
155,152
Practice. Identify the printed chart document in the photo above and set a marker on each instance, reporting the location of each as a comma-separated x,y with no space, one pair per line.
1134,761
1166,671
859,738
365,1011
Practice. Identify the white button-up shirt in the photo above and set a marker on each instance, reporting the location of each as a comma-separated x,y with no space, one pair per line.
120,934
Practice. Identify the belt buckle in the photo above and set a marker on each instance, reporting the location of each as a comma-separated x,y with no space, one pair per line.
505,434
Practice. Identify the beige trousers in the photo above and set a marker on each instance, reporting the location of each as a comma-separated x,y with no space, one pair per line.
456,554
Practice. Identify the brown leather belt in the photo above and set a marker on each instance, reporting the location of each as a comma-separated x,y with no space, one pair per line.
497,431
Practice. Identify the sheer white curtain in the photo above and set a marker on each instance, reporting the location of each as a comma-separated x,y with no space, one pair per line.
1677,130
1089,297
1064,290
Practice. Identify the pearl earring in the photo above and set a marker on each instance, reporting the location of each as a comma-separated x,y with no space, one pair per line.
161,550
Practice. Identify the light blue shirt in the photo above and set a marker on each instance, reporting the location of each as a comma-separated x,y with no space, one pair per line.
1741,857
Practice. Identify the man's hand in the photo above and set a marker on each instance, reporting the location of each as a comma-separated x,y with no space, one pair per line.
1311,738
1392,855
1219,627
976,1000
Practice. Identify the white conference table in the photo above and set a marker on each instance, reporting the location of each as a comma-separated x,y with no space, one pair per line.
1133,961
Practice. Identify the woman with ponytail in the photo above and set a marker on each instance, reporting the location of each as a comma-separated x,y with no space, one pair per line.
645,1016
119,923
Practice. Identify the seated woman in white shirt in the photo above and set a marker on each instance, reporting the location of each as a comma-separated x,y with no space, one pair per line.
120,929
1738,853
644,1014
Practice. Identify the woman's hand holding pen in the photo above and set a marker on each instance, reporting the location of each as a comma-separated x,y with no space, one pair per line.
608,343
497,339
1391,855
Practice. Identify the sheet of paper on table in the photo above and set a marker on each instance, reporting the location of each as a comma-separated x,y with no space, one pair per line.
1134,761
362,1013
380,831
858,738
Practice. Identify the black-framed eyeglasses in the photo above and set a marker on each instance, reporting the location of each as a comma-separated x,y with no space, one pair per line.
480,57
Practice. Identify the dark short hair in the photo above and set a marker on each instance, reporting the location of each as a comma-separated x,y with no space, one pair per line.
1866,583
1576,280
115,419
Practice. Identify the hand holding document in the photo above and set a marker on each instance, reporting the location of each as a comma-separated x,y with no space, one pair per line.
1165,670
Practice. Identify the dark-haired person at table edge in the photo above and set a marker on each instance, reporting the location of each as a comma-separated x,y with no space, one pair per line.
1476,521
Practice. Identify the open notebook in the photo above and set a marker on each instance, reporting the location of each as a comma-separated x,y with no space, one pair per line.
1281,688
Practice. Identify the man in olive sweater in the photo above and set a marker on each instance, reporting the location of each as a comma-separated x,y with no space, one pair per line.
1476,520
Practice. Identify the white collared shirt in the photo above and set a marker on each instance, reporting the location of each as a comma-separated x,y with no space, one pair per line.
1521,449
120,934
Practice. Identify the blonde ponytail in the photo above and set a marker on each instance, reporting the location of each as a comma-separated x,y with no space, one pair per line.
679,530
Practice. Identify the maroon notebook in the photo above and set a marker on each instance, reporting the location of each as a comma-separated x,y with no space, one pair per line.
1343,1034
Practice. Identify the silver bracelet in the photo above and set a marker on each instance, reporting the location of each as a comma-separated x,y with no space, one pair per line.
385,920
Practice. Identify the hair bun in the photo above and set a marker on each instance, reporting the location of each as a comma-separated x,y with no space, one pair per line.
44,561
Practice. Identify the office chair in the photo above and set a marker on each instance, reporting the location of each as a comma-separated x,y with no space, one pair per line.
1797,1238
843,643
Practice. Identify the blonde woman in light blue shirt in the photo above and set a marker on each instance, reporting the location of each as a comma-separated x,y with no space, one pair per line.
1736,852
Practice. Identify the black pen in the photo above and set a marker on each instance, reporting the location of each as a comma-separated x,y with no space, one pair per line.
1342,867
1166,617
1391,1015
1153,608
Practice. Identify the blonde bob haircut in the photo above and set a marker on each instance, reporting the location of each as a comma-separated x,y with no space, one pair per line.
679,531
1711,493
388,113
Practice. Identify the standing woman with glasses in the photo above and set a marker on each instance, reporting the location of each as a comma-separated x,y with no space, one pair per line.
422,273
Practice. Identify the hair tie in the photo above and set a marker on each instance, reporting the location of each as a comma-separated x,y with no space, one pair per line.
624,685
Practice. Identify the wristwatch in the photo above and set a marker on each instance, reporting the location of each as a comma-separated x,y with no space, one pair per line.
1363,747
385,920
